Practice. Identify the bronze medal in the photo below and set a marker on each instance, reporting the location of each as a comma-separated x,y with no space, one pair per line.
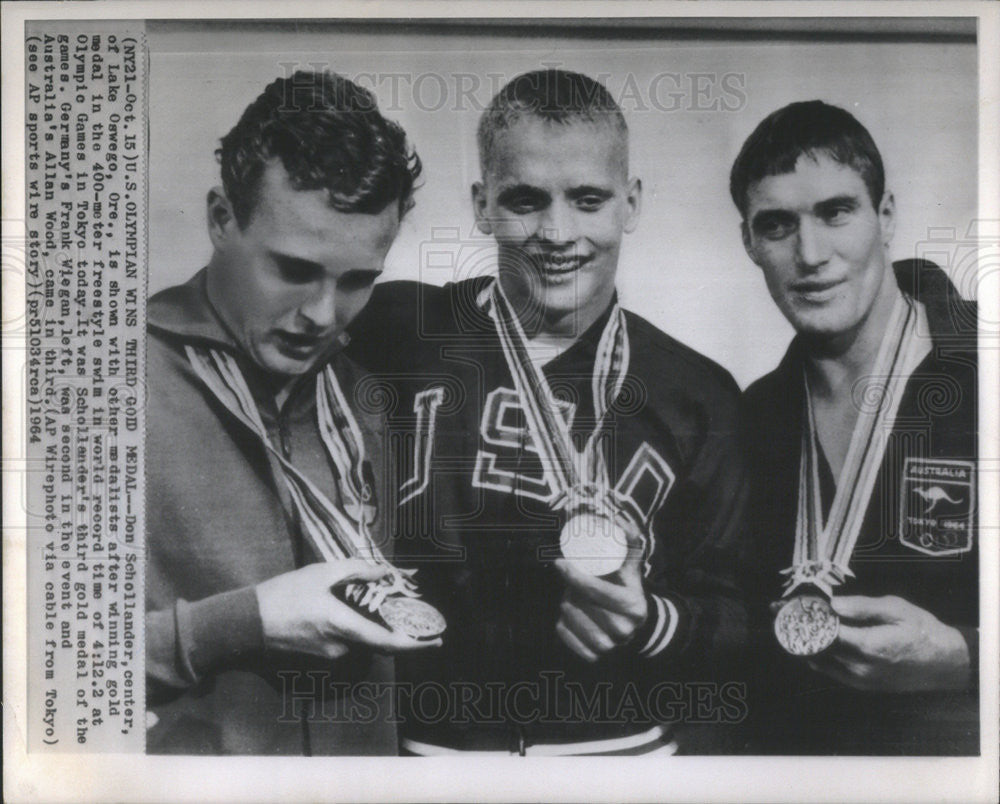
806,625
411,616
824,542
593,543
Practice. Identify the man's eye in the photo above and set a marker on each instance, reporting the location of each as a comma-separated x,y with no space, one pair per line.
522,205
357,280
775,229
836,215
590,203
296,272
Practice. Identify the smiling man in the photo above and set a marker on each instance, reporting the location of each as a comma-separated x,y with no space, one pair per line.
569,483
260,496
863,445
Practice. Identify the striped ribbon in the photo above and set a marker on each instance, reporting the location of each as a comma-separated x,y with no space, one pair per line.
575,473
335,532
822,552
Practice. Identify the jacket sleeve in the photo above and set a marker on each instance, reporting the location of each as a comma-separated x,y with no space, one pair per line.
698,620
190,641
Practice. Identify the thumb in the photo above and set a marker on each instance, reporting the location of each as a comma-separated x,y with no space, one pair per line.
863,609
634,539
351,570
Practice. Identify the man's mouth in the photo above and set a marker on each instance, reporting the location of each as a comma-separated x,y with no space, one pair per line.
298,344
816,290
559,264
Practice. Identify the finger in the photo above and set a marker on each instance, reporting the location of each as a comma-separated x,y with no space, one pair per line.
833,670
408,645
599,591
845,671
854,641
570,641
630,573
831,660
580,624
354,570
634,539
618,626
355,627
863,609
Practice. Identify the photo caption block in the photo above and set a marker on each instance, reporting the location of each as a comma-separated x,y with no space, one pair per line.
85,220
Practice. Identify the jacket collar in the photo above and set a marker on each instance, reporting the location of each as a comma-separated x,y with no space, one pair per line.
186,312
949,315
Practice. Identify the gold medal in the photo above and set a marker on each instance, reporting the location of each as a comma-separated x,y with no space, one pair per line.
415,618
806,625
594,543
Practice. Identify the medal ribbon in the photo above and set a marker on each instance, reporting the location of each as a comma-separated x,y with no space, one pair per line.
822,552
570,469
333,532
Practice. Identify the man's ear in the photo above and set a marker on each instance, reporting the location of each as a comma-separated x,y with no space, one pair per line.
633,200
221,219
479,203
887,217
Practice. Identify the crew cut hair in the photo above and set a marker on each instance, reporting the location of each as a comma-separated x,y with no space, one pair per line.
812,128
556,96
329,135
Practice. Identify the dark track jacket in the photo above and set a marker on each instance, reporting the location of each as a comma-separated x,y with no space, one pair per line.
473,516
918,541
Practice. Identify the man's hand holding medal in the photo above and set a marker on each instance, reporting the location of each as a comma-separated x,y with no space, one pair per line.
600,612
886,644
300,615
320,608
602,548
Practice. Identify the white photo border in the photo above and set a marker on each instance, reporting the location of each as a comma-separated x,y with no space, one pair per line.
86,777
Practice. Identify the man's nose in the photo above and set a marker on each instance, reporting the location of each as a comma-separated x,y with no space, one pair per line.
557,223
813,246
320,309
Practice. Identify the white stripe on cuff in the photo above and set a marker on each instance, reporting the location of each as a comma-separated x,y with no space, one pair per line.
666,627
589,748
660,617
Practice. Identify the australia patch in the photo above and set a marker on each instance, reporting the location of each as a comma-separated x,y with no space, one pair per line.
938,502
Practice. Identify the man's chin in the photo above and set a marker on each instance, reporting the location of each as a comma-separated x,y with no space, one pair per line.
276,362
820,331
560,299
815,322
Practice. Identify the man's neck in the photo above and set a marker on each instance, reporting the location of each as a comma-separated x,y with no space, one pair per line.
283,390
833,365
557,330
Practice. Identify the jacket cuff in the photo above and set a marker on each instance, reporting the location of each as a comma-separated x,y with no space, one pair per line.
218,631
659,629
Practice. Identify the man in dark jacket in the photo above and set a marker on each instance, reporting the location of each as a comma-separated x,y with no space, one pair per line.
863,455
569,484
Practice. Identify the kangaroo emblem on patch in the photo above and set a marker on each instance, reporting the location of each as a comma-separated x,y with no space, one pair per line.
938,503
